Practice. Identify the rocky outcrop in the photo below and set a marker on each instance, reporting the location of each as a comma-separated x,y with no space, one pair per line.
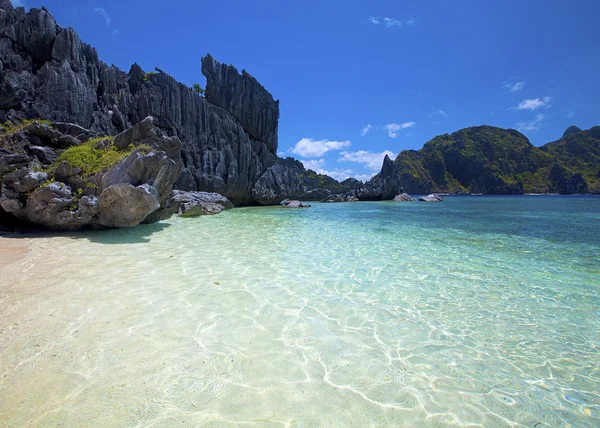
340,198
404,197
288,178
192,204
431,198
132,183
383,186
229,137
290,203
246,99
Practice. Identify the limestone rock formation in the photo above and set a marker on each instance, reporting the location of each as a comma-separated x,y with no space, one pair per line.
246,99
129,185
192,204
229,138
383,186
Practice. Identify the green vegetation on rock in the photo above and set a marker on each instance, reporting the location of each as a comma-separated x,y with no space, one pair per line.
486,159
576,167
96,155
9,130
197,88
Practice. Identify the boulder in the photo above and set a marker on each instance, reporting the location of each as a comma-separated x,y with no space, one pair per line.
159,168
431,198
124,205
54,207
11,161
45,155
294,204
191,204
404,197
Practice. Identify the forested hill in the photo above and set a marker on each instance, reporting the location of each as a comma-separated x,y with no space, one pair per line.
487,159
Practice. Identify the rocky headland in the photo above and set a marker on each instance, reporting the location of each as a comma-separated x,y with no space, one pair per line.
491,160
56,95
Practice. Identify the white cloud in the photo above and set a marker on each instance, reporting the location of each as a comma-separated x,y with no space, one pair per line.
371,160
365,130
514,87
534,104
391,22
17,3
313,164
570,114
309,148
104,14
365,177
393,128
317,166
281,154
532,126
443,113
115,32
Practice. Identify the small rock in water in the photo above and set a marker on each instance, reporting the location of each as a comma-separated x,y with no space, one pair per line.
294,204
404,197
431,198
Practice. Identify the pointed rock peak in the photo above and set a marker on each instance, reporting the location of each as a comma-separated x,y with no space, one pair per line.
388,167
571,130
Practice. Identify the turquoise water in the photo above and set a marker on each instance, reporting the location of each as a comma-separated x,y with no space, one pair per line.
480,311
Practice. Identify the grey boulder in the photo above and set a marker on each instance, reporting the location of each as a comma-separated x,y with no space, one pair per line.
430,198
192,204
294,204
54,206
404,197
124,205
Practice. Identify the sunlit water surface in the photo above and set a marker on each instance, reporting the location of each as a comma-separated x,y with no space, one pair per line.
475,311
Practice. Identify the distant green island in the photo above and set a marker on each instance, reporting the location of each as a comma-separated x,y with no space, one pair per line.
487,159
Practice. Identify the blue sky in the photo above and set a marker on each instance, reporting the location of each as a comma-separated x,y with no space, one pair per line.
357,79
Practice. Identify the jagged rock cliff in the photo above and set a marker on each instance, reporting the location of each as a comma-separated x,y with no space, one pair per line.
229,138
385,185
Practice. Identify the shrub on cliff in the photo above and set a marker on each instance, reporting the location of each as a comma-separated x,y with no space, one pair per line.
197,88
96,155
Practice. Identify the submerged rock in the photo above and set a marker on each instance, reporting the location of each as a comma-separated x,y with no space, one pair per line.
192,204
404,197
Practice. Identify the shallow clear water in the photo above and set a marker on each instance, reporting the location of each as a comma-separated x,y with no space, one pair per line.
475,311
